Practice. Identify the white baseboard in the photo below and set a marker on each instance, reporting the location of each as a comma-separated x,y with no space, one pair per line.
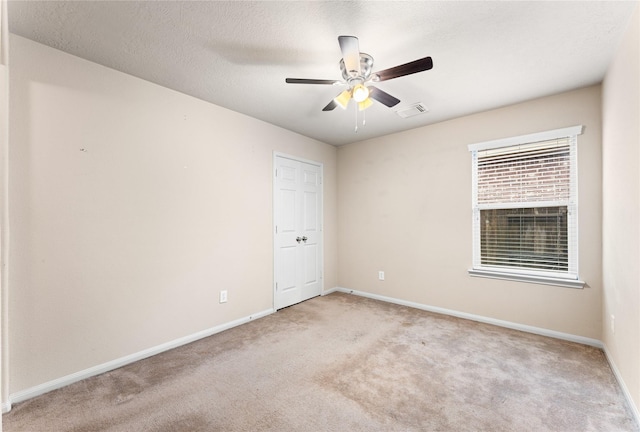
115,364
507,324
329,291
623,386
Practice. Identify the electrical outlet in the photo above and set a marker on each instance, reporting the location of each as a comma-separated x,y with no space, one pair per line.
613,323
223,296
380,275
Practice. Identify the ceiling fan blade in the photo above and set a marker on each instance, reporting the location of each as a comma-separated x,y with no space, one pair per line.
350,54
415,66
330,106
310,81
382,97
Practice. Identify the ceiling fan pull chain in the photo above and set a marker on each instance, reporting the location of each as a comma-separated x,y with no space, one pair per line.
356,109
364,118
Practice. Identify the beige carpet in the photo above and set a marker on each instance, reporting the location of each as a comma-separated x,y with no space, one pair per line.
346,363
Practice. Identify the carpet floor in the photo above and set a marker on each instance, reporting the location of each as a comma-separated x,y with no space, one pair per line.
346,363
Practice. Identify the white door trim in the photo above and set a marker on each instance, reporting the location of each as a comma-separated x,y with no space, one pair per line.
273,225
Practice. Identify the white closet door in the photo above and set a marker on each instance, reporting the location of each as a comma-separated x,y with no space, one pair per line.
297,227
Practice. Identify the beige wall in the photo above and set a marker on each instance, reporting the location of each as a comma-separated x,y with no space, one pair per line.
404,206
621,214
4,146
126,245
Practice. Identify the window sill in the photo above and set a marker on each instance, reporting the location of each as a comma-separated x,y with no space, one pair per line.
492,274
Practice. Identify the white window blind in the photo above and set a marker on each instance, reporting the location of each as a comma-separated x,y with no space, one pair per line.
525,205
525,174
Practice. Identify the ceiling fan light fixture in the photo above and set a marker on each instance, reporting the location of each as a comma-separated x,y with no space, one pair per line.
360,93
343,99
365,104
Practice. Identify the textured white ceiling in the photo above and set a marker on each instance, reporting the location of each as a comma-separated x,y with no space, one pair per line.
237,54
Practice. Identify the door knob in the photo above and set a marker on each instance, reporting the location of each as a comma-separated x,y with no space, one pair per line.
298,239
304,239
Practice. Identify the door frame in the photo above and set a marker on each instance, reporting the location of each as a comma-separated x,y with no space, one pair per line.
276,155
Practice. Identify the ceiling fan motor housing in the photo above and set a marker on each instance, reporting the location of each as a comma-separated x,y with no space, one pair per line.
366,64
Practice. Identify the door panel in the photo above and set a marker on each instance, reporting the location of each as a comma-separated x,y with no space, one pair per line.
288,174
310,177
288,210
297,220
310,216
310,267
288,267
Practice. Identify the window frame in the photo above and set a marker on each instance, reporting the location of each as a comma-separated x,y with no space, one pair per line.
569,279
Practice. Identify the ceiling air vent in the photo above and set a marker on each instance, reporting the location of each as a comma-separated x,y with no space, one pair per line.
412,110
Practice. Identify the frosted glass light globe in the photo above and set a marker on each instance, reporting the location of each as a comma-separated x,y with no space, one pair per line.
360,93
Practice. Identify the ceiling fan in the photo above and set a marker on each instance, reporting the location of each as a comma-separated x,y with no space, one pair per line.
356,71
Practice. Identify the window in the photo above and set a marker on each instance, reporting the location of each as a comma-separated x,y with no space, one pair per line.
525,209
